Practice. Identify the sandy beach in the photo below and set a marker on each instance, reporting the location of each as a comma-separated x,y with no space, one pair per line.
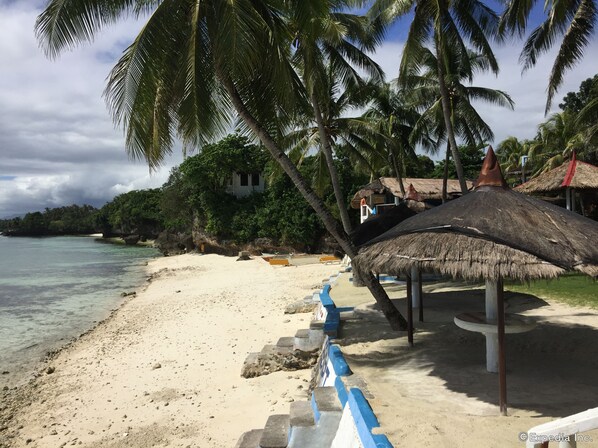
164,370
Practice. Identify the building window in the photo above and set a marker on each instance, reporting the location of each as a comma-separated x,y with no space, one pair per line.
244,179
255,179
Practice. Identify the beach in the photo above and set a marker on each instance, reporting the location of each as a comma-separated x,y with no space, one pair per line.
164,369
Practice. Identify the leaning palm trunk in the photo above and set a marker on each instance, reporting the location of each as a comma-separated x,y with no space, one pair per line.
446,112
396,320
327,150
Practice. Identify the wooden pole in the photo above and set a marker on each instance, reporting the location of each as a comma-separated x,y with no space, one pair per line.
502,365
421,296
409,313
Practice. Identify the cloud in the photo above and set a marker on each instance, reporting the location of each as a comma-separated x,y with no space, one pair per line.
58,145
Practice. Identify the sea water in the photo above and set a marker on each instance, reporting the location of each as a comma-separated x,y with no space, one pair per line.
53,289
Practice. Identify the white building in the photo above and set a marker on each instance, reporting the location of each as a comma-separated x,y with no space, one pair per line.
243,184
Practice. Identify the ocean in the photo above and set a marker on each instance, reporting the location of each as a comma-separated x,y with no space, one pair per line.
53,289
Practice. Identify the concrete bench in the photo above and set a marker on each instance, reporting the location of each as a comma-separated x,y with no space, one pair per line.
480,323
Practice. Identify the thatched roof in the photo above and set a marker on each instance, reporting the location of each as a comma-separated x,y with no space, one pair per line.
376,225
490,233
426,188
573,174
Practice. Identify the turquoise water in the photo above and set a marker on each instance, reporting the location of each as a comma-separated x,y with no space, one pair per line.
53,289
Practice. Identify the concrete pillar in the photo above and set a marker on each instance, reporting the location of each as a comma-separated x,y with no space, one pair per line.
415,290
568,444
491,315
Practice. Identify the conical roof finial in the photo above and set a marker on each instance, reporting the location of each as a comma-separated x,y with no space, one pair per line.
491,174
412,194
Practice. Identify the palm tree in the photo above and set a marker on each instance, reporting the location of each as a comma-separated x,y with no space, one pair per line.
557,139
325,42
574,21
511,153
392,120
190,67
451,26
465,120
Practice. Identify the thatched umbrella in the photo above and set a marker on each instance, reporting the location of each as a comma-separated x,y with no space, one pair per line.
571,176
491,233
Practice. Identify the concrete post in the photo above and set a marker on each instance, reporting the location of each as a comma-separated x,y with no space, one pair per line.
415,289
491,315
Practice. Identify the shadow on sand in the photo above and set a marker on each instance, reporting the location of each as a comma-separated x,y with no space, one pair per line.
551,370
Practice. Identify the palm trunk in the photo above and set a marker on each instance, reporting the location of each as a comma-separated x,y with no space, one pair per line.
446,112
398,175
394,317
327,150
445,174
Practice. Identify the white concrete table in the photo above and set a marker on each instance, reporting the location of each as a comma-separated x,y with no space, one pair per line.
486,323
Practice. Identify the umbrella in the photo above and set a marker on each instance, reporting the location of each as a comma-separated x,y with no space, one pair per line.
491,233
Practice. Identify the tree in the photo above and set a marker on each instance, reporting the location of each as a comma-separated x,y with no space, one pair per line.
392,121
452,27
466,122
576,101
572,21
326,53
190,63
510,153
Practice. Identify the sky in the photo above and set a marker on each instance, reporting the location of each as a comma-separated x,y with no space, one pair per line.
58,145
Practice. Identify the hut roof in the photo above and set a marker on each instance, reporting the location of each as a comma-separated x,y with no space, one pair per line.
574,174
490,233
376,225
426,188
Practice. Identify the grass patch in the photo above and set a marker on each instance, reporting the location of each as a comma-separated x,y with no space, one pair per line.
572,289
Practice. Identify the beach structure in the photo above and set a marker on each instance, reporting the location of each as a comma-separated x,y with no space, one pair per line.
571,177
243,184
385,192
491,234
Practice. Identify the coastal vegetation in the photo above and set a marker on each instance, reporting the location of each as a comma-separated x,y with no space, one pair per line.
573,129
277,66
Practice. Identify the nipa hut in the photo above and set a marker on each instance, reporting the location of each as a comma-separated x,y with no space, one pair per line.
570,177
491,233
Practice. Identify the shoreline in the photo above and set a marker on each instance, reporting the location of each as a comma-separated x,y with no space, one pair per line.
132,324
87,303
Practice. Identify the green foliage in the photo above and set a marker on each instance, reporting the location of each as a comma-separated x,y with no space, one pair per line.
135,212
214,165
422,167
471,157
68,220
576,101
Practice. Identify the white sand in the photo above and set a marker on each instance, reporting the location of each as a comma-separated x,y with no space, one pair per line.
198,318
